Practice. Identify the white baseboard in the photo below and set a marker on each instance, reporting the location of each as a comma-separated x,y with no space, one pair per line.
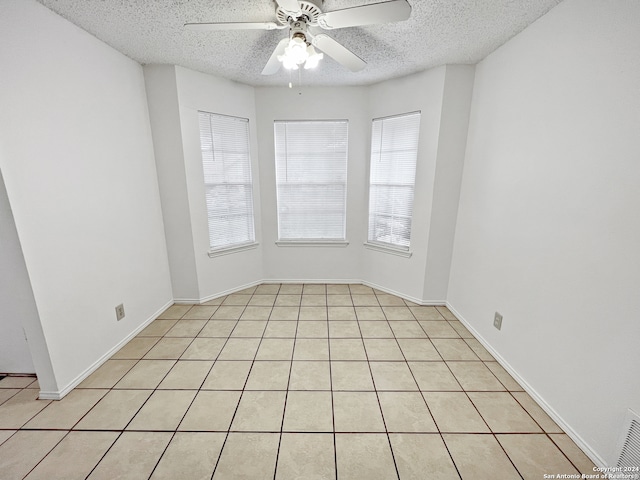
50,395
229,291
197,301
59,394
271,281
187,301
315,281
415,300
341,281
580,442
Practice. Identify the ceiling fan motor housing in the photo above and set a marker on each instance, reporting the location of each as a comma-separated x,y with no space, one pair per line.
309,12
298,30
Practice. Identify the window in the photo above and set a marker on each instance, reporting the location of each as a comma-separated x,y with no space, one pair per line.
311,179
227,180
394,149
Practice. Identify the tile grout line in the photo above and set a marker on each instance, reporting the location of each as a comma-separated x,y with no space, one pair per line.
109,389
145,402
562,451
506,454
243,388
197,391
439,432
228,430
333,414
406,362
48,453
449,453
164,450
175,361
418,387
480,414
239,398
121,432
375,389
544,432
286,395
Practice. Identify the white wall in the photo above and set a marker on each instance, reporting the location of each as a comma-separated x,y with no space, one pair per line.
548,227
16,298
164,114
20,317
452,142
314,263
182,185
424,92
77,160
198,91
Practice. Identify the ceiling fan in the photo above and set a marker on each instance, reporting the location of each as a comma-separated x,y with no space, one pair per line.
298,15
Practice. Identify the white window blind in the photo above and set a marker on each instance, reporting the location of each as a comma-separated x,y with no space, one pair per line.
311,178
227,179
394,149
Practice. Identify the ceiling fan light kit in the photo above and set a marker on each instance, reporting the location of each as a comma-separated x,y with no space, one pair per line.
313,58
300,47
299,50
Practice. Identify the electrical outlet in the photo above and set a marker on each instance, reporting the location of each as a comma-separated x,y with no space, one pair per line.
497,321
120,312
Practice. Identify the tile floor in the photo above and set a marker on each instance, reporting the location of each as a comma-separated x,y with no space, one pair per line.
289,382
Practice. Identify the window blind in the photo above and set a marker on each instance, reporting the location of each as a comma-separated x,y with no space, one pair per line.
394,150
227,179
311,179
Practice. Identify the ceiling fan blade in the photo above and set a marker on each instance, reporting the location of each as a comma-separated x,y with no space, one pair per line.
222,26
338,52
289,5
273,64
385,12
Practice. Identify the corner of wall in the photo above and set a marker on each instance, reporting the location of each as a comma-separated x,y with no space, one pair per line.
55,392
164,116
549,410
452,140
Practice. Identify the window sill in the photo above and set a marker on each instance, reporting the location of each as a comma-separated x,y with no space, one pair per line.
312,243
229,250
387,249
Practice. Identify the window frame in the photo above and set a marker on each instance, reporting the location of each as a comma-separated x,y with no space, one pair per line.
246,184
284,241
374,243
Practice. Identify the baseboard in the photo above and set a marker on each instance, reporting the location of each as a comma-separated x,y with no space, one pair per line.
187,301
415,300
59,394
259,282
51,395
342,281
315,281
580,442
229,291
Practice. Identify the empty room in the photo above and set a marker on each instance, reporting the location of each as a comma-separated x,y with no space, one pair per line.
319,239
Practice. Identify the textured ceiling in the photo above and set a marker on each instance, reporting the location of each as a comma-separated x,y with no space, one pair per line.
438,32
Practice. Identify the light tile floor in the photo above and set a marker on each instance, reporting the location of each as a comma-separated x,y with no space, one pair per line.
289,382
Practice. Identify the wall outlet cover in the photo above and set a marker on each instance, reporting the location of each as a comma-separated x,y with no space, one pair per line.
497,321
120,312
